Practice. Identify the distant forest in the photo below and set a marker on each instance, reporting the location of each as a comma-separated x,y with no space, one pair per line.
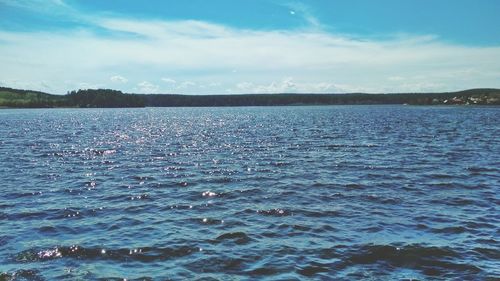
89,98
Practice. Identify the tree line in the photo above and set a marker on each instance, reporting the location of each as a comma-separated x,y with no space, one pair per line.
103,98
89,98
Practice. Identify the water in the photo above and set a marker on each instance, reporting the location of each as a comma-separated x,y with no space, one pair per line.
278,193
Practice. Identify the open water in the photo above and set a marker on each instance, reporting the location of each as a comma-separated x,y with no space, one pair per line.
273,193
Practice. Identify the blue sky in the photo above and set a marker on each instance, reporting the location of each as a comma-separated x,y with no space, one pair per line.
250,46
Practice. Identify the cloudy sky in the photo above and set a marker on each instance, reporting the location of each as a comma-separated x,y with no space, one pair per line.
250,46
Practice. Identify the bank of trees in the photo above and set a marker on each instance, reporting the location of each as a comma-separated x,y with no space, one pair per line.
485,96
103,98
113,98
82,98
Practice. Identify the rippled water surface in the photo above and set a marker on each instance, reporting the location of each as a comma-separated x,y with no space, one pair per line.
279,193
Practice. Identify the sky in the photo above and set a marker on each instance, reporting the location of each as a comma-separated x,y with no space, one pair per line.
250,46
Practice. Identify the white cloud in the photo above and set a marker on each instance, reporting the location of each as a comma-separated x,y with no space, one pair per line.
198,53
395,78
245,86
146,87
85,85
118,79
36,5
286,85
289,85
168,80
186,84
213,84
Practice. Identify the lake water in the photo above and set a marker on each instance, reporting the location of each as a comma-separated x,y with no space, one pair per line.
277,193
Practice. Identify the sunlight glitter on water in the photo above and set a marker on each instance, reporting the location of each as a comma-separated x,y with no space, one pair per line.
381,192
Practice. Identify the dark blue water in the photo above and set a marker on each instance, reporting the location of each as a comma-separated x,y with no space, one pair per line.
279,193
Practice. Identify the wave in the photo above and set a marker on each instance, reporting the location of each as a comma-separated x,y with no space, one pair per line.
236,237
429,260
22,274
143,254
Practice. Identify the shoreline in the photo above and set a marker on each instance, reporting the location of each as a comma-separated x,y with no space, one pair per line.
108,98
286,105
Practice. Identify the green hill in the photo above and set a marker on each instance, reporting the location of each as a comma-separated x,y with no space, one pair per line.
24,98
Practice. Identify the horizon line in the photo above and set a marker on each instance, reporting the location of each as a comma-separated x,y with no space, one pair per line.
243,94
